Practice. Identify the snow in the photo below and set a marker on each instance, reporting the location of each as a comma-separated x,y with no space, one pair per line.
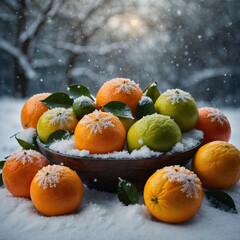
174,95
189,180
189,140
216,115
101,215
60,116
124,85
49,176
27,135
97,122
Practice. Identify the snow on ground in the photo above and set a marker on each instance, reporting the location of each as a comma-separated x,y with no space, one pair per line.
101,215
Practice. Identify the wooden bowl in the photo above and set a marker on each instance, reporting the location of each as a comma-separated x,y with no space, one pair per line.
103,174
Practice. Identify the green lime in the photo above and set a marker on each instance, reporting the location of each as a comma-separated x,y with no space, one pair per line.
179,105
158,132
83,105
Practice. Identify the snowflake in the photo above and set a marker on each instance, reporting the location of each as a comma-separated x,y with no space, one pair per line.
125,85
98,123
140,141
216,116
48,176
188,180
174,95
60,116
25,156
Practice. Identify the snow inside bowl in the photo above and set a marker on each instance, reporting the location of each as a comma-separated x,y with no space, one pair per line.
101,171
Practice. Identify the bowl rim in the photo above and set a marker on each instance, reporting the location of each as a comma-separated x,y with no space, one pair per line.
99,158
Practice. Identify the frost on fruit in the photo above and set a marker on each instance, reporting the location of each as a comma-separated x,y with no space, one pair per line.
216,116
125,85
60,117
174,95
98,123
188,180
26,156
83,99
48,176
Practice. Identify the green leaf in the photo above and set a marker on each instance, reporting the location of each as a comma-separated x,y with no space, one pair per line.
58,135
26,145
221,200
2,163
58,99
76,91
127,192
152,91
145,107
118,109
1,180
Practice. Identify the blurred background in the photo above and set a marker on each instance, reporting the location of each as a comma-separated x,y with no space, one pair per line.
194,45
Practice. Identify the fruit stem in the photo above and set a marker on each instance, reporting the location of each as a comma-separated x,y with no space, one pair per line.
154,199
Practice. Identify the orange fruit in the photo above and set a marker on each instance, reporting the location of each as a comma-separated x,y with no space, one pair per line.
32,110
56,190
19,170
100,132
173,194
214,124
55,119
217,164
119,89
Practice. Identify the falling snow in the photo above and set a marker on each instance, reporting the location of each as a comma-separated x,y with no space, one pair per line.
49,176
25,156
216,115
188,180
97,123
125,85
60,117
175,95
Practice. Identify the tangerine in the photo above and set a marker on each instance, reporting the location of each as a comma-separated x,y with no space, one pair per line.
100,132
173,194
217,164
32,110
214,124
19,170
119,89
56,190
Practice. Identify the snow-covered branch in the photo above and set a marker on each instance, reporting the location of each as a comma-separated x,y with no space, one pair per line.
209,73
49,11
100,50
21,58
12,4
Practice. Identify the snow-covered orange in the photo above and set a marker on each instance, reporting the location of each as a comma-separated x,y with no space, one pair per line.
173,194
119,89
19,170
100,132
214,124
56,190
32,110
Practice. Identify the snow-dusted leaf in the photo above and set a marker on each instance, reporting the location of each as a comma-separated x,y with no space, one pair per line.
27,145
152,91
221,200
145,107
127,192
58,99
58,135
118,109
2,162
76,91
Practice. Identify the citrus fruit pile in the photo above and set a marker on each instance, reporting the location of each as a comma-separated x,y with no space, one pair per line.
122,115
